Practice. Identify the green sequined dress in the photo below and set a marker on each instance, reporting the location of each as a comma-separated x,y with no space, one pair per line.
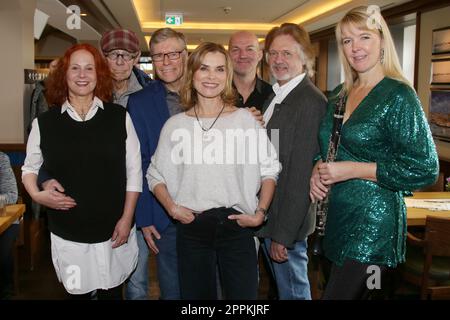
367,220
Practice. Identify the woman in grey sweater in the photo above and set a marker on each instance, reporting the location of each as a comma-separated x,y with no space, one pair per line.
210,164
8,185
8,195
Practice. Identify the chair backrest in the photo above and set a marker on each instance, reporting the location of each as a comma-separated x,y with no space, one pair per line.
437,236
438,186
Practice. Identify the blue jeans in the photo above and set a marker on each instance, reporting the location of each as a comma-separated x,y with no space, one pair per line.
136,287
167,268
291,276
167,264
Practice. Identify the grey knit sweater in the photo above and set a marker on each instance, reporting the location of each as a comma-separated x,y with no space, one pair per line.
8,185
211,170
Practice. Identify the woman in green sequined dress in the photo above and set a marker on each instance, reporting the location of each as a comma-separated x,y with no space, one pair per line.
386,150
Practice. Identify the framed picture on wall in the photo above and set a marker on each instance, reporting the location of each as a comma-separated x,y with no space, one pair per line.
441,40
439,115
440,71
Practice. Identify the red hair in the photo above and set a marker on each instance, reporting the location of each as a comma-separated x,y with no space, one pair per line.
56,90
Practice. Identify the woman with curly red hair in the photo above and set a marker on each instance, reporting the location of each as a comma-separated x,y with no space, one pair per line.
91,147
57,87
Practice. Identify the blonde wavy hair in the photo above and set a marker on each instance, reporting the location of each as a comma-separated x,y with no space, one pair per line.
188,94
364,18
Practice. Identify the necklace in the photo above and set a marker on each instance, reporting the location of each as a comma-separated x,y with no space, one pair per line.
214,122
83,115
83,107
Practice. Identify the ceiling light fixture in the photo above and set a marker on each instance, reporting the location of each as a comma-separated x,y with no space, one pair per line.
210,27
314,10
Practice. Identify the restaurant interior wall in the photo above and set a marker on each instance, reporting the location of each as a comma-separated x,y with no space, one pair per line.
429,21
17,54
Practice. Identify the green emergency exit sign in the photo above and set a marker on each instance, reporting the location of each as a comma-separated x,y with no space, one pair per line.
174,19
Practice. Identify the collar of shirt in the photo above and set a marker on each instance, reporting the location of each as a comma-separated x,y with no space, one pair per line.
169,92
96,103
257,90
281,92
287,87
259,85
173,102
133,86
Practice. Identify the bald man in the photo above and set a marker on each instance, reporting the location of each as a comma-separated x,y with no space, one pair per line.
245,55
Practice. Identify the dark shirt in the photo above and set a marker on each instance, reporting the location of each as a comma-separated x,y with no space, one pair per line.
256,99
173,102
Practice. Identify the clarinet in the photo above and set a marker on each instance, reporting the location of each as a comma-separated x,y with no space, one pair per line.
322,205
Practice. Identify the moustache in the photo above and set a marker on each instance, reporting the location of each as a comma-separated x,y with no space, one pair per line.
245,60
279,65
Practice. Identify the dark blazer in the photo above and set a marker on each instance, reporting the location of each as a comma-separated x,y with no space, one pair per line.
298,119
149,111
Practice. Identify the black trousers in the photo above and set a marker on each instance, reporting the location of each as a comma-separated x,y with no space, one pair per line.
349,281
210,240
110,294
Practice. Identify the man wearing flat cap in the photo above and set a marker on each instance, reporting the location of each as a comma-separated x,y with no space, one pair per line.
121,49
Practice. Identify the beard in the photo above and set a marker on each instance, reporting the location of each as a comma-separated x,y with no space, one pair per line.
287,75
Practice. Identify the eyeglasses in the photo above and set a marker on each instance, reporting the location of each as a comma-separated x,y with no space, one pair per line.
175,55
285,54
125,56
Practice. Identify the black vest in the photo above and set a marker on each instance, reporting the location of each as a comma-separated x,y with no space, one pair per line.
88,159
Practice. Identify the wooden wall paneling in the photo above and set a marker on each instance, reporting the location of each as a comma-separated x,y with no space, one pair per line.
322,65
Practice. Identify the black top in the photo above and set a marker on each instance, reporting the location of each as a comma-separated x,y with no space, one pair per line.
89,159
256,99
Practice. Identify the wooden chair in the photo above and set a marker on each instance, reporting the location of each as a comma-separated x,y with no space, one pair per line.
32,228
428,260
17,245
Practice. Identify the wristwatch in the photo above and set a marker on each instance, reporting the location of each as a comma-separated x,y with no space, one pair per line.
264,212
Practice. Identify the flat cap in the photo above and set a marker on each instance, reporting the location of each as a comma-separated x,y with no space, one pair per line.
122,39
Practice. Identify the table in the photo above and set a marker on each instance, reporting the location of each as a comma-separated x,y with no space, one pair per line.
417,216
13,212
